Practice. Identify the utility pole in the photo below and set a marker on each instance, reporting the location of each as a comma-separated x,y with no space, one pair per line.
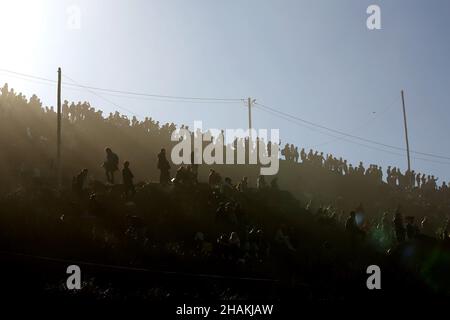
58,132
406,131
250,102
250,117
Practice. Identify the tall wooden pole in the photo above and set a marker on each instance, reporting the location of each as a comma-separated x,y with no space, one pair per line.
406,131
58,131
250,118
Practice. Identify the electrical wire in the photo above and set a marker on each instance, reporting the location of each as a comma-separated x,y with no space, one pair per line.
347,134
125,92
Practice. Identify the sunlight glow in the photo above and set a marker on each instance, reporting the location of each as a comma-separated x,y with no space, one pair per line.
21,25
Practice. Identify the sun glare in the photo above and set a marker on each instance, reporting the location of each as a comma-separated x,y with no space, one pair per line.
21,25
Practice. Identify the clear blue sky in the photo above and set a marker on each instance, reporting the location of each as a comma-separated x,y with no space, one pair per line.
312,58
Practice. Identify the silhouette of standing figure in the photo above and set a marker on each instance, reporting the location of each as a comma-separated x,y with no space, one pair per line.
111,165
400,231
164,167
79,182
351,226
127,177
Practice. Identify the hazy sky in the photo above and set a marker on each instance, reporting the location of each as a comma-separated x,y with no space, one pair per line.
315,59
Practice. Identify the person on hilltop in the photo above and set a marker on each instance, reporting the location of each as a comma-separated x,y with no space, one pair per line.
351,226
164,167
127,178
261,183
111,165
399,227
79,182
214,179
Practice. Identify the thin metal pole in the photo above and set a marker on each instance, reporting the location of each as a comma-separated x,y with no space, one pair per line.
58,131
250,117
406,131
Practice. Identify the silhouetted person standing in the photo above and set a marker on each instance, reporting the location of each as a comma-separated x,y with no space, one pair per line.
296,154
445,234
400,231
194,167
111,165
127,177
214,179
164,167
261,182
351,225
412,230
79,182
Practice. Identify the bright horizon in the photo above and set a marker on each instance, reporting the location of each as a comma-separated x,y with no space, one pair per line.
313,59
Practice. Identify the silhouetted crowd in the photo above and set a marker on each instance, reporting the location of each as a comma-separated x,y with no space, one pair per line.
229,211
28,139
35,126
394,177
250,222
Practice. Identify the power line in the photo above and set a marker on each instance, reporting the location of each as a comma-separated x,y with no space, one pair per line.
72,86
347,140
159,95
349,135
29,76
132,93
101,97
170,98
46,82
363,125
164,100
